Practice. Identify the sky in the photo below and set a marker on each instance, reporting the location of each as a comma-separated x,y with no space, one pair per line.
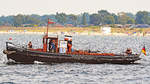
42,7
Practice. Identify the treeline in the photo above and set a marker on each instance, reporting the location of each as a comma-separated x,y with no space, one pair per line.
102,17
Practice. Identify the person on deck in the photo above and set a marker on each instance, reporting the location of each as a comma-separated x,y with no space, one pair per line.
69,46
128,51
50,41
52,47
30,44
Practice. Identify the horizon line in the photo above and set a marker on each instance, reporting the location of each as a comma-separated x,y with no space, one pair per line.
134,13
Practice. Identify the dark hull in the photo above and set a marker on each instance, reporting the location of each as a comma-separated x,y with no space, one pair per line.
23,55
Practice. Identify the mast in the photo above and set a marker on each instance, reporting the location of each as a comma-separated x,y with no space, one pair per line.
45,40
49,22
47,26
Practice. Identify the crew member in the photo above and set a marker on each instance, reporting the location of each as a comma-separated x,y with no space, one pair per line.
128,51
69,43
50,41
52,47
30,44
69,46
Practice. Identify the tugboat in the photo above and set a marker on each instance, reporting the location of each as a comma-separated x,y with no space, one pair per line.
60,51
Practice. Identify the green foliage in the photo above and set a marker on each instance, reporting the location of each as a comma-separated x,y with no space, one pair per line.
95,19
72,19
142,17
61,18
102,17
18,20
109,19
84,19
123,18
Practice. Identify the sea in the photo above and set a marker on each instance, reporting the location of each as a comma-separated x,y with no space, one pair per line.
78,73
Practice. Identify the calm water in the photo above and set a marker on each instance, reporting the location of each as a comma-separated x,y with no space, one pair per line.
79,73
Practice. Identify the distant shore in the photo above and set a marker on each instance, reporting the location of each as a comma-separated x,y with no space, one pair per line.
76,31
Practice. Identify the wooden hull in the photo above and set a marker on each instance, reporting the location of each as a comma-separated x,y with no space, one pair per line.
23,55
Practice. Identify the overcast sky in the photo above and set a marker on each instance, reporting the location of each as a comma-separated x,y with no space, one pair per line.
41,7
